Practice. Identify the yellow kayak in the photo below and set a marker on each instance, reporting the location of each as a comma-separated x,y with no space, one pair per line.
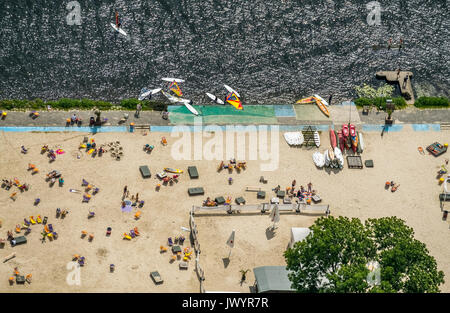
322,107
306,100
173,170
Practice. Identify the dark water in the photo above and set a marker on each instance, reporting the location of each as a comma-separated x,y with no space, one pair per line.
270,51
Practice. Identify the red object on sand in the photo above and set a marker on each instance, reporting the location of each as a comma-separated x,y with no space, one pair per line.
341,140
345,132
332,138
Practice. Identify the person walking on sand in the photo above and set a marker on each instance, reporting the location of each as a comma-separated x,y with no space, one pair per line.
138,110
124,192
293,183
309,187
137,197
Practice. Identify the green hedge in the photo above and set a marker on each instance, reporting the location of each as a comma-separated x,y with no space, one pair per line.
82,104
399,102
430,102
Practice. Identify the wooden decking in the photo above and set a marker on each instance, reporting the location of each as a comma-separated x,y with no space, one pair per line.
403,79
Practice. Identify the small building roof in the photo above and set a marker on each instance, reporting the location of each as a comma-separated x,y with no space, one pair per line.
272,279
299,233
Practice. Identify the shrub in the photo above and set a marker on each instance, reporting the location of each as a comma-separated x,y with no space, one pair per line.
83,104
429,102
381,102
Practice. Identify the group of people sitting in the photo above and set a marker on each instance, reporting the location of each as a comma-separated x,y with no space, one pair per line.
232,164
7,184
209,202
301,194
74,119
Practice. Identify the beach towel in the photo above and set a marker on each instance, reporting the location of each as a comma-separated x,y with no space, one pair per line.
127,208
60,151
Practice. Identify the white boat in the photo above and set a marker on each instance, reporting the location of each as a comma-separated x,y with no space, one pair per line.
146,92
169,79
117,29
326,158
231,90
186,102
319,159
214,98
321,99
317,138
331,157
447,185
361,141
339,157
294,138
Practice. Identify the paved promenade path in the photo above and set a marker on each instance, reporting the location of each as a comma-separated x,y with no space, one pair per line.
296,115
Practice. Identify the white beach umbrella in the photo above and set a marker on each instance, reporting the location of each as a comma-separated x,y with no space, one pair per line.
230,242
275,215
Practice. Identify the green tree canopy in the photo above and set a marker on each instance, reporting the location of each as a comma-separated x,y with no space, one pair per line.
335,258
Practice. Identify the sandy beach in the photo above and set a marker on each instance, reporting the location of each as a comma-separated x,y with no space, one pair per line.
350,192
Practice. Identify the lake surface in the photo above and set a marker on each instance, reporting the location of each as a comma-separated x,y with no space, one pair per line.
270,51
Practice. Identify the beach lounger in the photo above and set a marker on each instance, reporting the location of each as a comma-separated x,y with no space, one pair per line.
220,200
261,195
20,279
368,163
45,220
156,277
38,219
126,236
444,197
162,249
32,220
145,171
176,249
137,215
50,227
240,200
136,231
193,172
132,234
281,193
18,241
196,191
169,241
316,198
184,265
287,200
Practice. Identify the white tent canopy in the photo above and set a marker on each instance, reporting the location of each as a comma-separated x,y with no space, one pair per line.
298,234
